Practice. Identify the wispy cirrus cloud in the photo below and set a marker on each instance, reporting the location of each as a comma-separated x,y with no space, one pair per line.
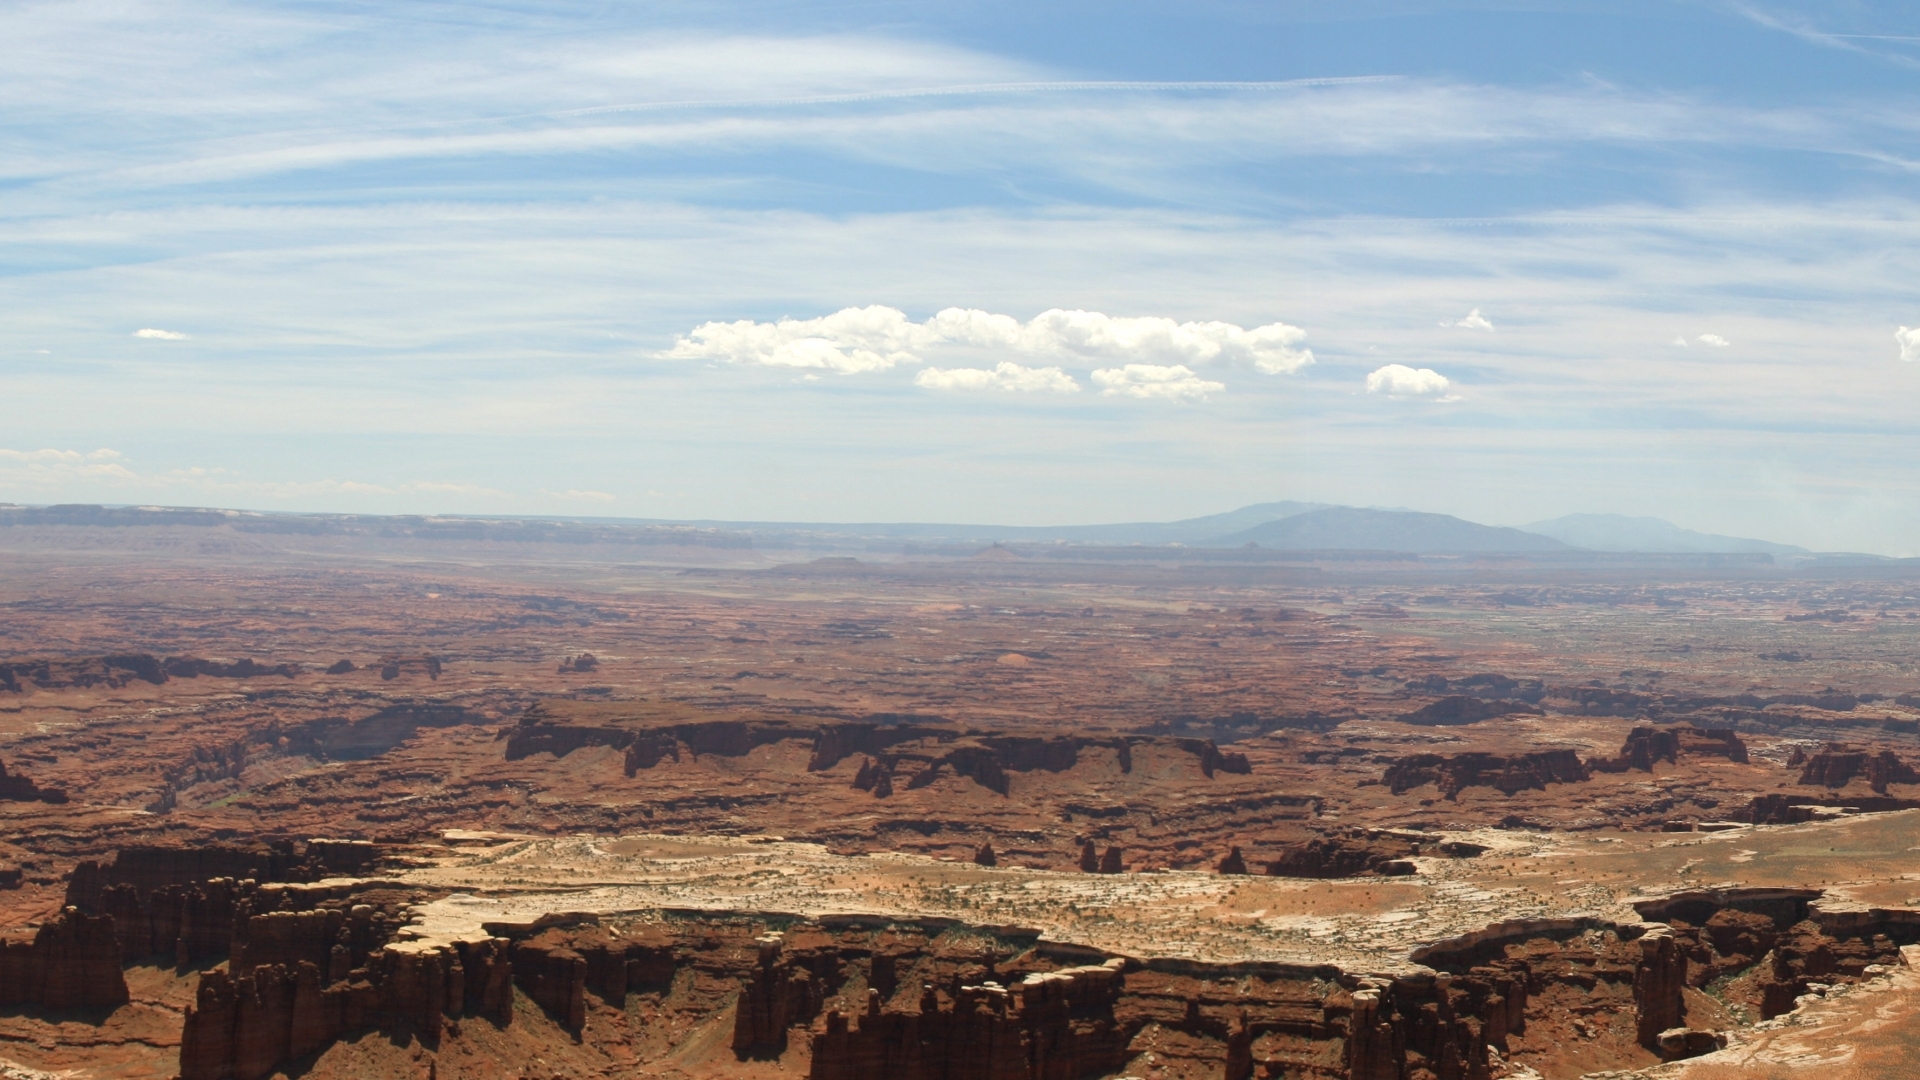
40,468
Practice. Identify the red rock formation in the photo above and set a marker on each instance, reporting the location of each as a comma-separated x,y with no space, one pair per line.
983,856
17,788
554,976
1645,746
777,995
109,671
244,1026
1505,773
1342,856
192,667
1110,862
1658,984
71,962
1837,764
1053,1026
1231,863
874,776
1089,859
1449,711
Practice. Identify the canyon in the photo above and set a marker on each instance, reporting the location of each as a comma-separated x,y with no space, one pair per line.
324,814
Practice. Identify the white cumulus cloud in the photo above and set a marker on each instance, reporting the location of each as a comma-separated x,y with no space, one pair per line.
159,335
1681,341
1472,320
1399,380
1909,343
1002,376
877,338
1176,382
1714,340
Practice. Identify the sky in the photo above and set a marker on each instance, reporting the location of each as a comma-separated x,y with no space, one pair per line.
986,262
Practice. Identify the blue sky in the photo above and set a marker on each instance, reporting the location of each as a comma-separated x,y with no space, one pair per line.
1503,260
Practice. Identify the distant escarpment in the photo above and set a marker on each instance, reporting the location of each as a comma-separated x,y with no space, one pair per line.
1461,709
1507,773
906,755
1647,745
121,669
1837,764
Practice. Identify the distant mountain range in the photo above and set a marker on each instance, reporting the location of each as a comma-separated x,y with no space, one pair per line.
1618,532
1279,526
1351,528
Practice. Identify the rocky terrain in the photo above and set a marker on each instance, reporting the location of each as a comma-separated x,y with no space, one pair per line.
328,813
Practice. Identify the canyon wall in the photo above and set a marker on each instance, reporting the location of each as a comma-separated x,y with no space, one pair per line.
71,962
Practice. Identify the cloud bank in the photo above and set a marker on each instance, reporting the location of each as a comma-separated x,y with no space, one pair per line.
1399,380
1176,382
855,340
1909,343
1002,376
159,335
1472,320
38,467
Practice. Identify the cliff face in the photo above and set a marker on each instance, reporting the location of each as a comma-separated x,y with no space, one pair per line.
1459,709
1057,1025
1645,746
912,755
1836,765
119,670
1508,774
187,903
1658,982
1342,856
17,788
907,1002
71,962
243,1027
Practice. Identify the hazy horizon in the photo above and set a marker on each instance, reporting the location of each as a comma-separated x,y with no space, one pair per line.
1014,264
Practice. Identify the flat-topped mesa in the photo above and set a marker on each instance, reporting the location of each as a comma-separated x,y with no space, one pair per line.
1482,685
1341,857
313,963
1646,745
1461,709
1837,765
893,756
1507,773
906,998
1797,937
112,672
183,901
1049,1024
72,961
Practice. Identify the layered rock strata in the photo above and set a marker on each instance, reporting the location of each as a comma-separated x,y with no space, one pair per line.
1837,765
17,788
1506,773
1645,746
71,962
